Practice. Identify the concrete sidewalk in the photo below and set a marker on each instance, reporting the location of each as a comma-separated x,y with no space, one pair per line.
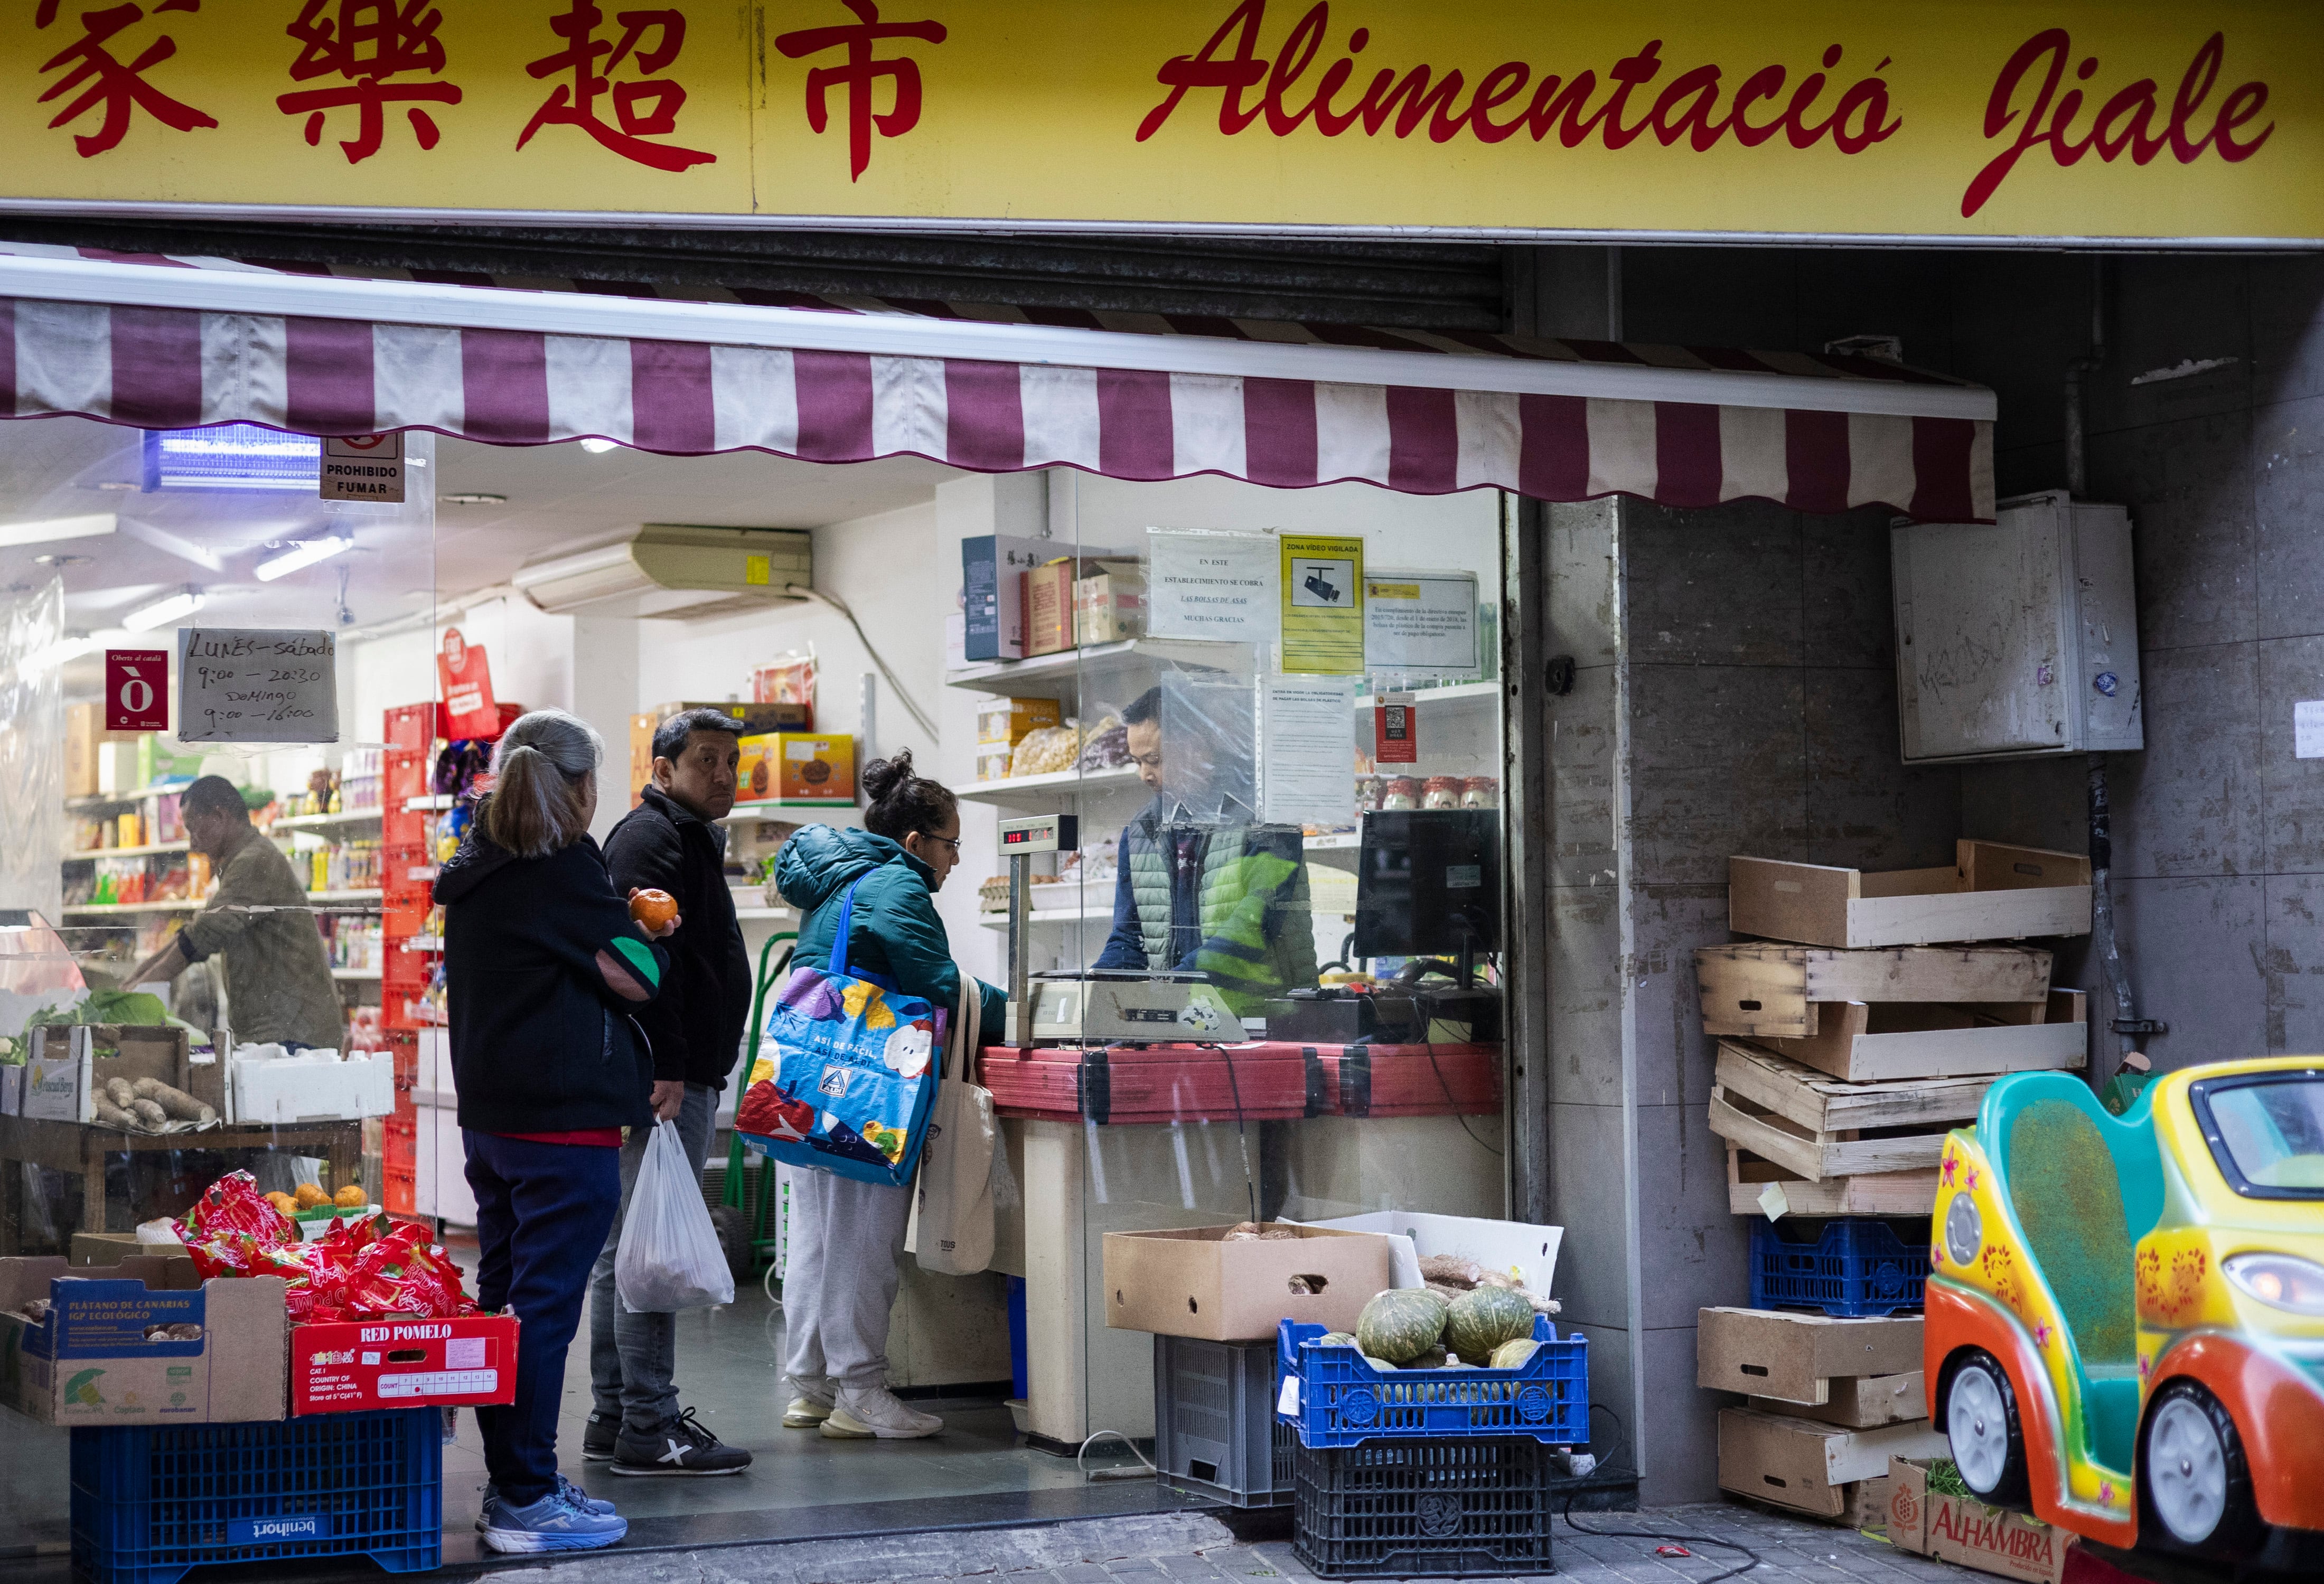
1198,1546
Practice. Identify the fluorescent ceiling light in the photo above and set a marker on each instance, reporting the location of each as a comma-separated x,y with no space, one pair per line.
597,448
169,608
51,529
231,457
305,553
68,647
472,498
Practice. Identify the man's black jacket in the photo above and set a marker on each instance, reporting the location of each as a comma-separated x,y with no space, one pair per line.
695,1024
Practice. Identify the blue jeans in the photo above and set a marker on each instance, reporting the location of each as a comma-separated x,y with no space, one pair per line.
541,1214
634,1358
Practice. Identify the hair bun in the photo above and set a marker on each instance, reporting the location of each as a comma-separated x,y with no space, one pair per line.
884,776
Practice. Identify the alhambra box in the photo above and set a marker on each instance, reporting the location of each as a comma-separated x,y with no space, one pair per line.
1956,1529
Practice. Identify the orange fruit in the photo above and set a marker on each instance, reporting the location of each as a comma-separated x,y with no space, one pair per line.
653,909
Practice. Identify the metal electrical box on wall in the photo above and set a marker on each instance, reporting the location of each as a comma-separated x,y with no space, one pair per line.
2019,637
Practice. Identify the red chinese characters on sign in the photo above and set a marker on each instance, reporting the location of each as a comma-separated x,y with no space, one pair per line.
644,110
136,690
103,79
859,76
365,42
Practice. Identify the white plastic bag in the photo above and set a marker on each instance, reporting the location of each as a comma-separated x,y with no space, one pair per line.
669,1258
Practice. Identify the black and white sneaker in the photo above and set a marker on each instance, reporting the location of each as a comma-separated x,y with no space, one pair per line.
599,1436
683,1445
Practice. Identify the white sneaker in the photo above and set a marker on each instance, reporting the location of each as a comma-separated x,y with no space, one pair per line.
811,1407
864,1411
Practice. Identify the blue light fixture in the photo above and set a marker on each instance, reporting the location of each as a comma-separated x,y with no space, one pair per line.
232,457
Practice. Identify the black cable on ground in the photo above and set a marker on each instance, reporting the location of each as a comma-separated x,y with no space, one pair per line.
1662,1535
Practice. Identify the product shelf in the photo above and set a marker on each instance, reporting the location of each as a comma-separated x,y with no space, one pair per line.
370,895
1053,786
102,909
772,808
121,799
149,850
1060,675
356,975
324,822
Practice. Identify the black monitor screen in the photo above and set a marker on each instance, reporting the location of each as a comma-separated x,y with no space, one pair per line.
1429,883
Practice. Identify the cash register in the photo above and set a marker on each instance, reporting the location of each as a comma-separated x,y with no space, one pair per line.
1428,889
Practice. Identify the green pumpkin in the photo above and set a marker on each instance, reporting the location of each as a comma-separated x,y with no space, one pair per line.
1336,1339
1400,1324
1480,1321
1512,1355
1434,1358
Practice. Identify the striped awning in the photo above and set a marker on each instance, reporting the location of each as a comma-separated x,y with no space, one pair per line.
168,342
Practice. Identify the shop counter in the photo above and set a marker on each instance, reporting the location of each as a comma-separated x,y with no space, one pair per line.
1261,1081
84,1147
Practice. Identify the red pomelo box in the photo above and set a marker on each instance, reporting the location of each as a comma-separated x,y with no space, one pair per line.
348,1366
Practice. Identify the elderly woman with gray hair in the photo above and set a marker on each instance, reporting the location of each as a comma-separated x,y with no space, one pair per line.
543,966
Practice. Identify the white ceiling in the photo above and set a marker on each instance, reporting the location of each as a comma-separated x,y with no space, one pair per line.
558,499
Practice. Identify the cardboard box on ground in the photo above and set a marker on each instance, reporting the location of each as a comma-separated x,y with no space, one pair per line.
1959,1529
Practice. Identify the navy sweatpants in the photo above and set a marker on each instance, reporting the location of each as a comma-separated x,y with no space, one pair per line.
542,1213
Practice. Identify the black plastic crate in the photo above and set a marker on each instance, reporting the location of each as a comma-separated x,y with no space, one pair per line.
1458,1507
1215,1433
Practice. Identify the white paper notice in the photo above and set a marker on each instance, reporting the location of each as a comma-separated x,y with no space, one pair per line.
1421,623
1307,730
2308,729
1215,585
257,684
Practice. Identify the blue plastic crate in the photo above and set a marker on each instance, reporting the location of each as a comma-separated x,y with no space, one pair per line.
1343,1400
150,1503
1853,1267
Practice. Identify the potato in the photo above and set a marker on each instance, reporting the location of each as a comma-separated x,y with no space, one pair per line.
177,1102
112,1116
351,1197
153,1117
118,1091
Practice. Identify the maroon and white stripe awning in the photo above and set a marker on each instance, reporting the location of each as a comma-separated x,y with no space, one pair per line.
164,342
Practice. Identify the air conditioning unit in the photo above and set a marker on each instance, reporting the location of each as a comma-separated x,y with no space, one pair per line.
2018,638
674,570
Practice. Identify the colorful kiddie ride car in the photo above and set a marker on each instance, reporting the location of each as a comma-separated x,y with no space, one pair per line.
2126,1315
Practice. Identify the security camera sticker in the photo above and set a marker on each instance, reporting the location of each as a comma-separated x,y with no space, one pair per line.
1319,583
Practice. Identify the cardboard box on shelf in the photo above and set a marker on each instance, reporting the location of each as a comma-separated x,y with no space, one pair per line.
112,1247
1778,1353
1110,604
1002,722
1959,1529
57,1077
993,593
101,1357
797,765
1807,1466
992,764
1190,1282
351,1365
297,1089
84,733
757,719
1048,600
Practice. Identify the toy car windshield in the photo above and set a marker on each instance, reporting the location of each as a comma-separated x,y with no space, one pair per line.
2266,1133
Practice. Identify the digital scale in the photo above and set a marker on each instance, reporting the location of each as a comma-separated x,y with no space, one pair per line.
1097,1008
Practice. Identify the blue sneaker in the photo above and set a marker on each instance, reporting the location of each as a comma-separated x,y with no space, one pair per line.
570,1491
555,1522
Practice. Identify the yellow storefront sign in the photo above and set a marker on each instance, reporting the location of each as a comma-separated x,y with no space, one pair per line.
1924,118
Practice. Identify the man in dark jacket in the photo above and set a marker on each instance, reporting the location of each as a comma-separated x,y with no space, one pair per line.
670,841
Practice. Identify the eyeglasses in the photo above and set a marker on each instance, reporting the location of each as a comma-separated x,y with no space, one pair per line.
951,841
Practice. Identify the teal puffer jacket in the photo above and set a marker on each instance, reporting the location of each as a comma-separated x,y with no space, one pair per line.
895,934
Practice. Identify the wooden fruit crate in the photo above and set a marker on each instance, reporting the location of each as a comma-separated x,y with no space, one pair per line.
1990,892
1818,1128
1870,1042
1749,1176
1766,989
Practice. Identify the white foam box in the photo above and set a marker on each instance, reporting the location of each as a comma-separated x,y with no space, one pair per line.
1529,1252
296,1089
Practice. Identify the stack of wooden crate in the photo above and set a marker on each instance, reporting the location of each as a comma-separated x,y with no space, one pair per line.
1872,1014
1831,1402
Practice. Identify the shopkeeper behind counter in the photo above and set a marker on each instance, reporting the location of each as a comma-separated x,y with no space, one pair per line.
277,976
1226,899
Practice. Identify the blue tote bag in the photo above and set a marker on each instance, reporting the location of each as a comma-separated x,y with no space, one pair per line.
852,1074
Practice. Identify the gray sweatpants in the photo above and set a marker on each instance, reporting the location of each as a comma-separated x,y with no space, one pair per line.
846,1243
634,1358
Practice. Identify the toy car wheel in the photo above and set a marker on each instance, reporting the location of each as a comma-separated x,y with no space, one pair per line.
1989,1445
2193,1480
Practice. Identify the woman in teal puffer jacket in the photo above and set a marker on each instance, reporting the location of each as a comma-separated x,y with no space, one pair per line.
847,1236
